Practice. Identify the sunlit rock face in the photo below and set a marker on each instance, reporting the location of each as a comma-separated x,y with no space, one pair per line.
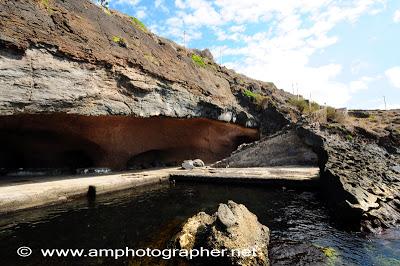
118,142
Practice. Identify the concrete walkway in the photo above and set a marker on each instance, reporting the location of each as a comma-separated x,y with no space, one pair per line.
23,193
17,195
261,175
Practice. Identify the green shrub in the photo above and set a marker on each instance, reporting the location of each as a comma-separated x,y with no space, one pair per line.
349,137
198,60
304,106
107,11
138,24
119,40
250,94
333,115
46,4
258,99
373,118
314,107
330,113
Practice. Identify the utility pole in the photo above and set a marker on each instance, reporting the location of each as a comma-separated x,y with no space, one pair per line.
297,87
384,101
184,38
309,102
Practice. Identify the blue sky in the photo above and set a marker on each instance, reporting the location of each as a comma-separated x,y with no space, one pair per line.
341,52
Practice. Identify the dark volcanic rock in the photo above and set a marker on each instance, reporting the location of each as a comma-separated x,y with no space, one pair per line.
232,227
295,253
359,179
283,148
61,57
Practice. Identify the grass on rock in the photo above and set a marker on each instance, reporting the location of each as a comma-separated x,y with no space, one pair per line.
198,60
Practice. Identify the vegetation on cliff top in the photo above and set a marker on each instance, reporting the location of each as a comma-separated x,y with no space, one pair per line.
259,99
304,106
138,24
198,60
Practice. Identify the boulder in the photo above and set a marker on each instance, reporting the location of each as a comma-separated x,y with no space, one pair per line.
206,53
187,165
198,163
233,228
190,164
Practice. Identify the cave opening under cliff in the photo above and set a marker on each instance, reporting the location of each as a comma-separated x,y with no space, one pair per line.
61,141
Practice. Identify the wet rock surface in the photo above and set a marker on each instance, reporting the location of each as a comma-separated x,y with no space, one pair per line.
359,179
295,253
232,227
60,58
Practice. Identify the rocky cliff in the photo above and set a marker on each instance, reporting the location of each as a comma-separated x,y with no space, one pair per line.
75,57
78,61
80,78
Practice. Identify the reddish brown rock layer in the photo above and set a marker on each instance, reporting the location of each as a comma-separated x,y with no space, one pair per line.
31,141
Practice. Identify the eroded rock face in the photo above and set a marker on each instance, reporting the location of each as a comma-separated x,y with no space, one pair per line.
37,141
283,148
61,57
359,179
232,227
40,82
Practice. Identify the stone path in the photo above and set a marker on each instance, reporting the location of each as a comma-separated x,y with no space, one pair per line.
266,175
23,193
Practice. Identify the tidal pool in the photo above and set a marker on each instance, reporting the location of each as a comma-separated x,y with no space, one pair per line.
150,216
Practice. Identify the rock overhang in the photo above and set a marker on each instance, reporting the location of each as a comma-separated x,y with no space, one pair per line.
118,142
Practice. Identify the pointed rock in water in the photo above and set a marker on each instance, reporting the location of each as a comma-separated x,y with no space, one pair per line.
241,232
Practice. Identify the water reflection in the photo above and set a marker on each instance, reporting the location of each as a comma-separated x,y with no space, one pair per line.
148,217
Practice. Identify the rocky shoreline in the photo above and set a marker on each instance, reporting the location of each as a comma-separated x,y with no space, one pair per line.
50,66
359,179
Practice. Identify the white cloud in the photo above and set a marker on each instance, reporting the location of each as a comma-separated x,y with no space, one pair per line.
291,33
237,28
396,17
127,2
393,75
361,84
141,13
161,5
180,4
358,65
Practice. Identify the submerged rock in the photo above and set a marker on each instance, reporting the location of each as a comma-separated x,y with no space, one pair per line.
232,228
294,253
